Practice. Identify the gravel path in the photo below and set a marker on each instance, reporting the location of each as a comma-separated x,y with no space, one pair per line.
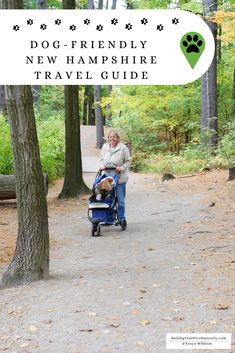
123,292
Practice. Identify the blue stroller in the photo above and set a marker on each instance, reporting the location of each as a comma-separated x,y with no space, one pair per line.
103,212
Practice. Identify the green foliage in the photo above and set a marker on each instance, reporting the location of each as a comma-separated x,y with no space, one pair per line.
6,162
227,146
50,103
51,4
51,141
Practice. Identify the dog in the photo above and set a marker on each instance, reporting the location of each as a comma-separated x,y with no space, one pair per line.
102,189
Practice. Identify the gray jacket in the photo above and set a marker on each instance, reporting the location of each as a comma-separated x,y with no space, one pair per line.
119,156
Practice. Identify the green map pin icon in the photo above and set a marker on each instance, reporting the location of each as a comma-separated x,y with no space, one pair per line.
192,45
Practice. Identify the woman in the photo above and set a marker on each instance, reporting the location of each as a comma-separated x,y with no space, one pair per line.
116,154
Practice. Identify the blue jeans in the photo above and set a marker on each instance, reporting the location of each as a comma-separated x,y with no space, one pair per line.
121,194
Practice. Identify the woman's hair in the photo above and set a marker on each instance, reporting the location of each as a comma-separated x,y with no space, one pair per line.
115,132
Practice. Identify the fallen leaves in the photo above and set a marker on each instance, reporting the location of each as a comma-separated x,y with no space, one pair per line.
221,306
172,318
16,311
144,322
33,328
86,330
134,312
114,324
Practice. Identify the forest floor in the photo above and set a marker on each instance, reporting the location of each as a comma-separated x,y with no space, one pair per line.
172,270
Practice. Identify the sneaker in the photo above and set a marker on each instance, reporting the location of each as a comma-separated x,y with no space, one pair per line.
123,224
117,223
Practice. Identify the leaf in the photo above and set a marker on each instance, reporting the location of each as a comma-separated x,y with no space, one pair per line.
172,318
143,290
86,330
24,345
92,314
135,312
47,322
140,344
115,324
144,322
221,306
178,318
114,318
33,328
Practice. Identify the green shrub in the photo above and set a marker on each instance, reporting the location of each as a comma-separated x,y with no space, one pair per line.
6,158
51,142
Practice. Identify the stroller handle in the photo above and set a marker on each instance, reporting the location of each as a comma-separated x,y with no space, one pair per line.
108,168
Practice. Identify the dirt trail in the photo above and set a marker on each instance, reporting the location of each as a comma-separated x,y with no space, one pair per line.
124,291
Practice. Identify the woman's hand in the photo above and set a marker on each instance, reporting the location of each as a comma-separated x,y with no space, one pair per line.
118,169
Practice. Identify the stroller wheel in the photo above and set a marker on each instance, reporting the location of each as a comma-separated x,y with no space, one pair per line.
95,230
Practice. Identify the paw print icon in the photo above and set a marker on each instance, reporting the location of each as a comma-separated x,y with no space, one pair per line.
114,21
72,28
87,21
144,21
99,28
192,45
58,22
43,27
128,26
29,22
16,28
160,28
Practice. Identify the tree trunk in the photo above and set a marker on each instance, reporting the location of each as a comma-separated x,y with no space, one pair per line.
108,106
91,111
8,186
90,4
231,173
73,179
69,4
85,105
98,117
41,4
31,258
114,4
209,88
100,5
2,99
11,4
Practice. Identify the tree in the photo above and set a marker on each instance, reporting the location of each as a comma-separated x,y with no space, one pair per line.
73,179
98,117
114,4
90,4
98,110
91,112
100,4
31,258
41,4
209,114
85,105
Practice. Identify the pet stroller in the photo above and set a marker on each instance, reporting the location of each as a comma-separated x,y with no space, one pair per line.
103,212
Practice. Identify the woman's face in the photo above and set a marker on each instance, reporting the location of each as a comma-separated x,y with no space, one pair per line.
113,139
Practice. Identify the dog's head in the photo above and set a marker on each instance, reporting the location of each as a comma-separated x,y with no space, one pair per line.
106,184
